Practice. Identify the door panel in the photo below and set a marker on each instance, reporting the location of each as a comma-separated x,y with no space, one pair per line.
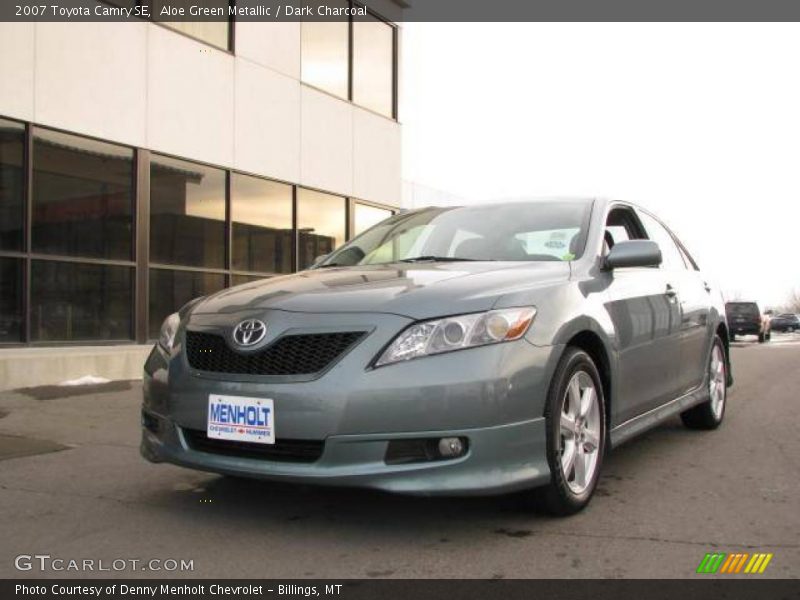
694,305
647,325
695,329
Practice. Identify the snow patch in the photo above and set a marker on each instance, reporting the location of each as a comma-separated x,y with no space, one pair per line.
86,380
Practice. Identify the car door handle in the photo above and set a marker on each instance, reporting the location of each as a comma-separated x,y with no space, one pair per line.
671,293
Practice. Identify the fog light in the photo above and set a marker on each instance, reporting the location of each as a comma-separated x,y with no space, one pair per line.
451,447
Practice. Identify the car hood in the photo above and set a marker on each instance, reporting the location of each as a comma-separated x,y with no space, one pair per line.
417,290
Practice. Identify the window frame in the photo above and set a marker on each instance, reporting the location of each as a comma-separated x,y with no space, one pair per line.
670,235
231,46
350,64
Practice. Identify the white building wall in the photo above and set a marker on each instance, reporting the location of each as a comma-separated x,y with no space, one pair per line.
144,85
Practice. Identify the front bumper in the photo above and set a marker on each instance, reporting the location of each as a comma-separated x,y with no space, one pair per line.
500,459
494,396
745,329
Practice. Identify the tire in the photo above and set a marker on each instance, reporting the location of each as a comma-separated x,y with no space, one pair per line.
733,337
710,413
582,433
769,336
761,338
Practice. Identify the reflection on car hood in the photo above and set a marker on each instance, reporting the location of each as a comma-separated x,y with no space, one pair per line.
418,290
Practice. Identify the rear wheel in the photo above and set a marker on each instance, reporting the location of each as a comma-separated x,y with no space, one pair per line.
710,413
576,433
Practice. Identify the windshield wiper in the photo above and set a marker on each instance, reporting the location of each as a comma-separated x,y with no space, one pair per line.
432,258
334,264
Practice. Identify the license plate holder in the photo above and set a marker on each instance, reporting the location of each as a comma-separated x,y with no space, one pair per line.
241,419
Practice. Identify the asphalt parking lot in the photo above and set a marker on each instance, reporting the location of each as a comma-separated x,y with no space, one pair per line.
72,485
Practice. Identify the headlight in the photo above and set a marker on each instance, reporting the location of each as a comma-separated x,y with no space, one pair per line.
166,339
455,333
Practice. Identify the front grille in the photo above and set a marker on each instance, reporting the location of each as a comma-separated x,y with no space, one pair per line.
302,354
300,451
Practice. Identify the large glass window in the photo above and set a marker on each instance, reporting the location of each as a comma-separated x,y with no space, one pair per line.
10,299
12,177
77,302
187,213
320,224
169,290
261,214
365,216
68,218
215,30
82,196
368,79
373,64
325,52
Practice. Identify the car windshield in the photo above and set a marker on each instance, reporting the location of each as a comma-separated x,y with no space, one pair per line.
742,309
533,231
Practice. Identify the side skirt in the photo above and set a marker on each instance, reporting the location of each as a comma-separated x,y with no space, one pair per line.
641,423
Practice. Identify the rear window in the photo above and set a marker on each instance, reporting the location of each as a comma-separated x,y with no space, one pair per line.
748,309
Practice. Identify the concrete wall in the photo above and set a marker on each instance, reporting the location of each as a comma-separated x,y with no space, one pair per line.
147,86
30,367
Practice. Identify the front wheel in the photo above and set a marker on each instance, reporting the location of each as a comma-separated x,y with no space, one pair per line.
709,414
576,433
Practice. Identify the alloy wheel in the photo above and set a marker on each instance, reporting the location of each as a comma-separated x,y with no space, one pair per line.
580,432
716,381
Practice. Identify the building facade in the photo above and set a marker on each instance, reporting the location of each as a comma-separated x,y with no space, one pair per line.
144,164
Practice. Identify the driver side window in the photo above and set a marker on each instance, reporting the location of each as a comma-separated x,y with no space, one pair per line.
621,225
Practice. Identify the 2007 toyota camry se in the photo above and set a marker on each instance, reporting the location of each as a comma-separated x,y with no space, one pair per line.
471,350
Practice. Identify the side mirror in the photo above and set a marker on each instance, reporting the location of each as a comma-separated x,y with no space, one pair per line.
633,253
318,260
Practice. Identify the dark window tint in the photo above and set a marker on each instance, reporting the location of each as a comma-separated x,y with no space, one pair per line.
10,300
82,196
743,309
373,60
76,302
12,137
169,290
261,212
320,224
670,255
187,213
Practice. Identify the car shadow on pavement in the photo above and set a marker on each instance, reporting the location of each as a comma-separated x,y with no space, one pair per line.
265,504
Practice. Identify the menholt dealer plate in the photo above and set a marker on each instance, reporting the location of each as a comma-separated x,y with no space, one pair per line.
241,419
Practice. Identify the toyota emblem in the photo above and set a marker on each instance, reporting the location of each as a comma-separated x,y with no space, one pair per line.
249,332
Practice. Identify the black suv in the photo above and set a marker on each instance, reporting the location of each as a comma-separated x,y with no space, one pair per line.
744,318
